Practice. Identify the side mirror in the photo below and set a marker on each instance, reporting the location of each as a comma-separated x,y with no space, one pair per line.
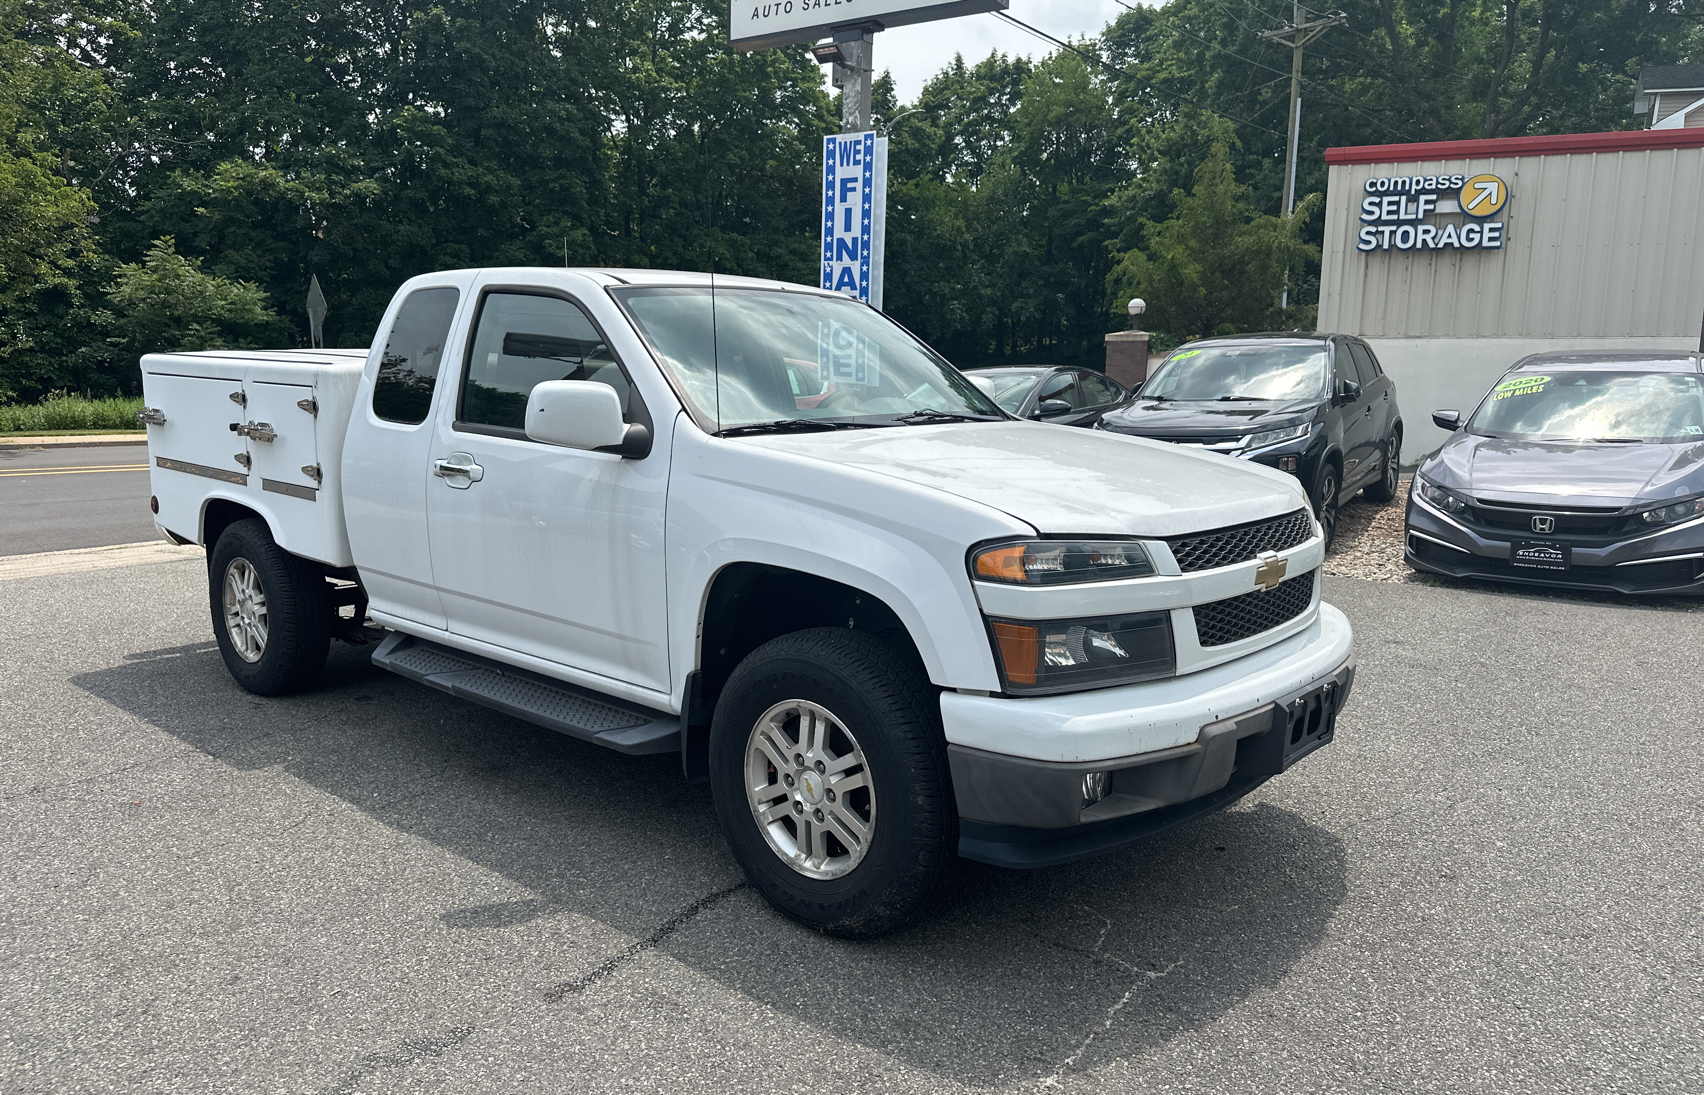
1448,420
1052,408
1348,391
577,414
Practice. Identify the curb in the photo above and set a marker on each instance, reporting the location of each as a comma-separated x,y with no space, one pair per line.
77,560
87,441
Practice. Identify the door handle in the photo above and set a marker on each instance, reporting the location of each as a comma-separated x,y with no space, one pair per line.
458,465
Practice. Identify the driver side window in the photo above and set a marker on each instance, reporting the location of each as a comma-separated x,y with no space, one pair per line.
1061,386
1343,365
522,340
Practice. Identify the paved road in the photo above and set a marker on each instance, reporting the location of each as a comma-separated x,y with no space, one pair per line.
1490,883
67,497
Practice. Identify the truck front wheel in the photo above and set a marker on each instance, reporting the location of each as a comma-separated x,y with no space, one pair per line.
271,611
830,777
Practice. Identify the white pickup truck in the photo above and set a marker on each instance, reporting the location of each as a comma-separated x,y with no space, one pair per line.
762,526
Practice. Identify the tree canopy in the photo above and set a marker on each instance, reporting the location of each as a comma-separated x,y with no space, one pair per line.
273,140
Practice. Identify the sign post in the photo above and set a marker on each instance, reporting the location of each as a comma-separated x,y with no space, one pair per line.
854,168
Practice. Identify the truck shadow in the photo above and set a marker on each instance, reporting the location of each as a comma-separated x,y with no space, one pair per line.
1015,977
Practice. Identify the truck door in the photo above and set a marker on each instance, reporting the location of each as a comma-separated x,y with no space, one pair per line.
544,550
385,459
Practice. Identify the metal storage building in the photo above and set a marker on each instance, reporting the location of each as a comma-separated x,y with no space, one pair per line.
1578,241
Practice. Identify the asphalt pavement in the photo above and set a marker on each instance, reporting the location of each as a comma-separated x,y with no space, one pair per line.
61,497
1489,883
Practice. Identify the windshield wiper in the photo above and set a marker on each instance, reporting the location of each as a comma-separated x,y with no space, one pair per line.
1240,399
926,415
792,425
1616,440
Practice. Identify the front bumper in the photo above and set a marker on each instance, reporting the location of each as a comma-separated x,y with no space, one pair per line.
1193,745
1664,562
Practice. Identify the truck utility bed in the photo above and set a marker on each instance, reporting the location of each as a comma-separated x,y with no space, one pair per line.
265,426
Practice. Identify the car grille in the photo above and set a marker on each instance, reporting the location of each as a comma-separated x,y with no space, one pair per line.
1633,579
1240,543
1563,523
1239,617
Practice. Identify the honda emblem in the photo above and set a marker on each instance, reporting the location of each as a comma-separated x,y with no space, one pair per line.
1544,524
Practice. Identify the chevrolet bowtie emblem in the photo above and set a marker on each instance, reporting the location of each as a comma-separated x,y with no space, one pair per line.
1271,569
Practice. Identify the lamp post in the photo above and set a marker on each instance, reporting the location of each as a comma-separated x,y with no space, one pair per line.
1127,351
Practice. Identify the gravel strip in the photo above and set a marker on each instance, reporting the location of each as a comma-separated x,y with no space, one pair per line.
1369,546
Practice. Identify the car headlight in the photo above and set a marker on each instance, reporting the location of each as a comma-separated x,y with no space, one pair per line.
1273,437
1673,513
1041,656
1441,497
1060,562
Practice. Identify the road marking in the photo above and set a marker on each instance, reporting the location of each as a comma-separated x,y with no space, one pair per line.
76,560
89,470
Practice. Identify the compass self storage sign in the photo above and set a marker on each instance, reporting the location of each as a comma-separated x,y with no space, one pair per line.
1418,213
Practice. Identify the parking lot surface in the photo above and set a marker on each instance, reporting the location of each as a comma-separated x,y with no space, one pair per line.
1489,883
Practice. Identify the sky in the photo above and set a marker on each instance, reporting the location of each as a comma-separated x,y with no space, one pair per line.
916,53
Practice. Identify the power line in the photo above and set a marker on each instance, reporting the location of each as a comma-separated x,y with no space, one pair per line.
1322,90
1115,70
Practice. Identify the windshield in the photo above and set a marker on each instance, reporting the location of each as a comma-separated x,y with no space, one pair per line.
1278,373
1010,387
752,358
1594,406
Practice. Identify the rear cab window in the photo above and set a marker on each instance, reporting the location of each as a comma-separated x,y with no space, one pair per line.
414,352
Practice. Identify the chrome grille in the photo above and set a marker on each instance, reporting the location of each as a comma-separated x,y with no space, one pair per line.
1240,543
1251,613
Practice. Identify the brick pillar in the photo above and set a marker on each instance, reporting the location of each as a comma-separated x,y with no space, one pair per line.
1127,357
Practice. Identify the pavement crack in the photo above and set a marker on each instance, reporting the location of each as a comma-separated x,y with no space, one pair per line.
1053,1082
407,1053
679,920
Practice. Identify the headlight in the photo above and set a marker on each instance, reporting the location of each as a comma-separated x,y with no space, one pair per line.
1441,497
1672,513
1272,437
1041,656
1060,562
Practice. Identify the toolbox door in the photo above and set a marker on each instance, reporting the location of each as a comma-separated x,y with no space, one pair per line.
282,444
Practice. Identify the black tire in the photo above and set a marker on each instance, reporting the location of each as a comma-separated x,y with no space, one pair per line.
890,713
1389,473
1325,501
294,611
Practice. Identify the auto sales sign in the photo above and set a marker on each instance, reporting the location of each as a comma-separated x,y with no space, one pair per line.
1401,213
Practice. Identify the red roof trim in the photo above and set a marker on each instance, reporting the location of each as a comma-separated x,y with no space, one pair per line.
1561,144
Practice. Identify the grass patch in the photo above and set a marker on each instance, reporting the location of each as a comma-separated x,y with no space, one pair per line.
61,413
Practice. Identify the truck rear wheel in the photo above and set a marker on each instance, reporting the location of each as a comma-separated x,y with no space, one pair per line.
271,611
830,777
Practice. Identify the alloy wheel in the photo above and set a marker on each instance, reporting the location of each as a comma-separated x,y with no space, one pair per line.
808,785
246,618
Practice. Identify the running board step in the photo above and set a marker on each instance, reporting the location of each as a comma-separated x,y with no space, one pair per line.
556,705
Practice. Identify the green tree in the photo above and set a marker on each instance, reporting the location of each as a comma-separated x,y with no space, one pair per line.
46,250
1216,265
166,304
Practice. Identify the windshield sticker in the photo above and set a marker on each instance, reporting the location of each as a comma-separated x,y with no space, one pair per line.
1694,429
1520,385
1181,354
846,356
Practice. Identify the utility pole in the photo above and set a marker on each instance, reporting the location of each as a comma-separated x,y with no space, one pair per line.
1297,35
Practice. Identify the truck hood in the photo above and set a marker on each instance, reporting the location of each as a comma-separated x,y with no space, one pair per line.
1061,480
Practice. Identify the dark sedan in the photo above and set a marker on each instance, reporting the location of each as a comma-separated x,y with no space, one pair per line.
1051,393
1315,405
1582,470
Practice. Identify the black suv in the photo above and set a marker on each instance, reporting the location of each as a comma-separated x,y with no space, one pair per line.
1315,405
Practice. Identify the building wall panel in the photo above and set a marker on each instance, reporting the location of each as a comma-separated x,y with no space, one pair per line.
1598,244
